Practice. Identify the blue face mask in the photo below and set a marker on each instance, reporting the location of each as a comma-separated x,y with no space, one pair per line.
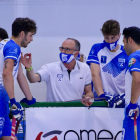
111,46
66,58
78,57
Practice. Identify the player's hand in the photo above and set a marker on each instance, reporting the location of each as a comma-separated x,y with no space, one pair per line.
131,109
26,60
119,100
28,102
16,109
108,98
87,101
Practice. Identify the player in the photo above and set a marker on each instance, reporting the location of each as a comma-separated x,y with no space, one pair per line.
3,34
107,61
23,30
131,41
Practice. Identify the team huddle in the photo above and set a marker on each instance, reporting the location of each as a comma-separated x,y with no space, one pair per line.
111,73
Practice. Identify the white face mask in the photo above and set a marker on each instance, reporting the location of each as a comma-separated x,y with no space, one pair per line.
66,58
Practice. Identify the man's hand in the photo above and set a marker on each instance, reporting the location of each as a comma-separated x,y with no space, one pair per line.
119,100
86,101
17,111
26,60
28,102
131,109
108,98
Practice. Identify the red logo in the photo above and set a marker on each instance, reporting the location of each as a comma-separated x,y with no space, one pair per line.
48,134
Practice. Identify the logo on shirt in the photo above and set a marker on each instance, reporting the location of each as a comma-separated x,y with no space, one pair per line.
15,50
5,40
2,120
92,52
121,62
103,59
131,62
59,77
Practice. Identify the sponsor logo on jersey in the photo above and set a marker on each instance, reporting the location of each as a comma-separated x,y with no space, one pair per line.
121,61
15,50
5,40
92,51
131,62
1,122
103,59
59,77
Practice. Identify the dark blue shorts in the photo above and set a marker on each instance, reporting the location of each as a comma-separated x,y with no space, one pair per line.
5,123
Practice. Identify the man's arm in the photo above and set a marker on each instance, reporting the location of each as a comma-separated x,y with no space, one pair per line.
96,78
135,93
135,90
23,83
8,77
26,60
88,95
32,77
88,91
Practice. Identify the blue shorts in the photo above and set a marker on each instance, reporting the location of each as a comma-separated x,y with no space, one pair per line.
5,123
128,129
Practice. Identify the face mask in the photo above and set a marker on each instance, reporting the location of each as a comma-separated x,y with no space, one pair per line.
66,58
111,46
78,57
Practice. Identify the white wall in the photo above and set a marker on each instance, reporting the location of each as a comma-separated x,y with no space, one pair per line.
59,19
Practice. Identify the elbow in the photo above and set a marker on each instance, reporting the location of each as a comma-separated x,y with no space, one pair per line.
137,83
31,81
93,76
6,75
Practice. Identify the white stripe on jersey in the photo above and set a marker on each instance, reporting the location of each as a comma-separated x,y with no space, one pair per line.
135,69
10,57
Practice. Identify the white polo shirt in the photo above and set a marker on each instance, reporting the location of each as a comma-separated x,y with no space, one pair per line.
61,86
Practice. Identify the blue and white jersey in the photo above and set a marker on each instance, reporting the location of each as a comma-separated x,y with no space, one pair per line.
8,50
112,67
133,65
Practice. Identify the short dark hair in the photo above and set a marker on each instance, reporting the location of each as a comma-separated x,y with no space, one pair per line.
133,32
111,27
23,24
77,43
3,34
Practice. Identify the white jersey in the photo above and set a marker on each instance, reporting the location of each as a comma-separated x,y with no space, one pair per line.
112,67
60,85
8,50
133,65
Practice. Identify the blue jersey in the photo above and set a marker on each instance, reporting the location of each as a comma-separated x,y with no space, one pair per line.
112,67
133,65
8,50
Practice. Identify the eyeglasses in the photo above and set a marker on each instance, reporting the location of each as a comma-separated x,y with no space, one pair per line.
66,49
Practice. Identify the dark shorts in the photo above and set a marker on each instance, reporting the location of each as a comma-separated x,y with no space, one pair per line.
5,123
